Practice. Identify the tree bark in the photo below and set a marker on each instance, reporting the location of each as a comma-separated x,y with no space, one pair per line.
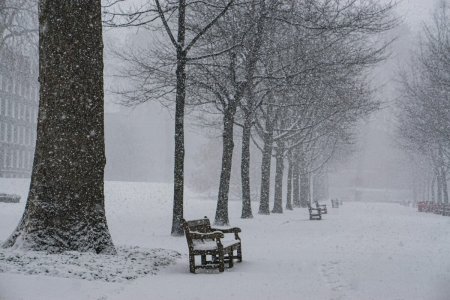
265,171
289,187
245,170
227,158
278,193
65,209
178,180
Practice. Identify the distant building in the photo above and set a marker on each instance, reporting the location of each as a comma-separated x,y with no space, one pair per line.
19,100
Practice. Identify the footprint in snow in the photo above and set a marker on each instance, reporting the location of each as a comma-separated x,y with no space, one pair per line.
332,276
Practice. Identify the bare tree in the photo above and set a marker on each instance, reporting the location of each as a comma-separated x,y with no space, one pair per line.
17,24
424,118
184,34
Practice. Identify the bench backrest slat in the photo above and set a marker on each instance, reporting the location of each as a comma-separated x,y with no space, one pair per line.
200,225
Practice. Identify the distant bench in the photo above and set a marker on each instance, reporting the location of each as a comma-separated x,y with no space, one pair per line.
314,213
334,203
436,208
322,207
203,240
9,198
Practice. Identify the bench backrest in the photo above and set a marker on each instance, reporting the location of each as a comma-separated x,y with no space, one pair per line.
200,225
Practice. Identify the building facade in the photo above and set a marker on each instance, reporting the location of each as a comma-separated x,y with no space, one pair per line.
19,101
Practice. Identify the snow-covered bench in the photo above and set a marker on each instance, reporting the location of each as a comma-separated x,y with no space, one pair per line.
9,198
203,240
314,213
334,203
446,210
322,207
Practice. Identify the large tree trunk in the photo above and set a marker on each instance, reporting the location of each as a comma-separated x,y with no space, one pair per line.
245,169
178,178
304,189
296,183
439,186
432,189
444,186
178,190
278,192
289,187
227,158
265,171
65,208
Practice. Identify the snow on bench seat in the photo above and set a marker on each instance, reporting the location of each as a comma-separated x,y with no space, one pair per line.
212,245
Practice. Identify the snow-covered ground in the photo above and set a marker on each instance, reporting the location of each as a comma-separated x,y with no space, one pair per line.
359,251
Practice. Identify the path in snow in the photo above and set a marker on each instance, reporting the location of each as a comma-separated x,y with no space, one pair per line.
359,251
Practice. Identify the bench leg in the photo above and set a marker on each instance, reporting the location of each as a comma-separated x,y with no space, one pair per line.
192,263
221,262
203,259
239,253
230,254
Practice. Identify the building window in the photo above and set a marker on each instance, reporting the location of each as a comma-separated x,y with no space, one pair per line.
23,112
16,87
5,158
10,134
16,134
27,136
24,159
29,160
17,159
4,130
19,140
11,158
10,108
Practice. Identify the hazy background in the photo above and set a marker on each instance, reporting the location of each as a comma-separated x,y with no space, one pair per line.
139,141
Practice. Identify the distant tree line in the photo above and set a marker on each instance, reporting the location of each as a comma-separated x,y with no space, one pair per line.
292,75
424,109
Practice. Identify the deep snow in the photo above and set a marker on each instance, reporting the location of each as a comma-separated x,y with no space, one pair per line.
358,251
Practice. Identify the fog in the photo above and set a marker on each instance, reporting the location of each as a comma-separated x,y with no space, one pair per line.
139,140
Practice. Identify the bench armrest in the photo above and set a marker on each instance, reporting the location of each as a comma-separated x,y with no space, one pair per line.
227,230
210,235
234,230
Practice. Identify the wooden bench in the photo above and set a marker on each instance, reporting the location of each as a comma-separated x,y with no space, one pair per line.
205,241
322,207
446,210
9,198
314,213
334,203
